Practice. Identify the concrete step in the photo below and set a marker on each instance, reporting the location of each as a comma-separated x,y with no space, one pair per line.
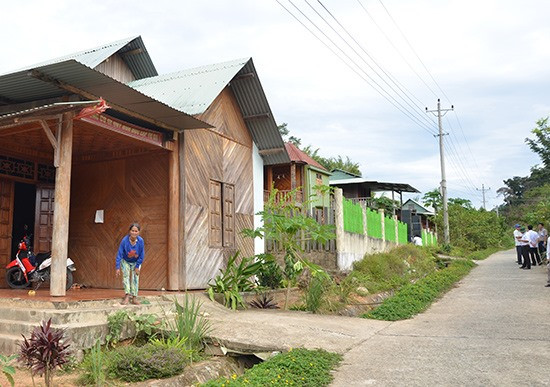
9,344
63,316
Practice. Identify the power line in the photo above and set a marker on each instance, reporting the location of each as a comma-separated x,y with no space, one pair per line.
380,90
414,51
406,92
396,49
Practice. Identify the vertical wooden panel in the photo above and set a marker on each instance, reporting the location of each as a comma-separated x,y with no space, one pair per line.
228,215
43,222
6,222
215,218
128,190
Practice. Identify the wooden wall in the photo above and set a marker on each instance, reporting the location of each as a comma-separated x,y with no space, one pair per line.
223,154
128,190
116,68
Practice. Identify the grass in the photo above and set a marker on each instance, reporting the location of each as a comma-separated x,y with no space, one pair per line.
482,254
392,270
299,367
416,297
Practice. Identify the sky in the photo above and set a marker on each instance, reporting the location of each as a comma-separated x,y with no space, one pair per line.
489,59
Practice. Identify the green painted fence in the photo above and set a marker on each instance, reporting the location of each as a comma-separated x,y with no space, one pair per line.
374,224
428,238
353,217
402,230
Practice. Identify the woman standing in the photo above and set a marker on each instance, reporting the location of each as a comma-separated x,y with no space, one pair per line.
130,257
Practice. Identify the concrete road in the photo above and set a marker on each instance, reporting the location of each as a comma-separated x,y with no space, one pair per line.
491,330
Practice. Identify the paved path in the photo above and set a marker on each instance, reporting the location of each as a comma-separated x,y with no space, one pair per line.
492,330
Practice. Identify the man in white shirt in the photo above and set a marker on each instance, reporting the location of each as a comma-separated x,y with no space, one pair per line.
517,237
417,240
533,238
524,243
548,264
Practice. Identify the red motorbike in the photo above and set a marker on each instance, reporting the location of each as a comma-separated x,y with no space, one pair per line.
28,268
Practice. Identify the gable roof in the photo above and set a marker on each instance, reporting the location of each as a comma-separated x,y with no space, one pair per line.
298,156
420,209
137,58
194,90
340,174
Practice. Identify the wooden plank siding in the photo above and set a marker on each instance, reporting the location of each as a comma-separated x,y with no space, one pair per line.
115,67
128,190
222,154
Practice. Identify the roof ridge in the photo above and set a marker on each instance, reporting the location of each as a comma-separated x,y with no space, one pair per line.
189,72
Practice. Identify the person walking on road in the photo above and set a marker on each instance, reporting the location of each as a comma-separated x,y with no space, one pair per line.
543,239
517,238
533,238
548,264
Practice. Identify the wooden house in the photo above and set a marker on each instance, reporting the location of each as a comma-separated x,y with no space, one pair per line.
302,173
182,154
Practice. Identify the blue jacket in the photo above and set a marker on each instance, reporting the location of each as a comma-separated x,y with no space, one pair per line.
131,253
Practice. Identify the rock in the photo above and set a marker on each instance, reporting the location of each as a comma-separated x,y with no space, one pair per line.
362,291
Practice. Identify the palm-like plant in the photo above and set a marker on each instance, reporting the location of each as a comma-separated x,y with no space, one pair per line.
45,351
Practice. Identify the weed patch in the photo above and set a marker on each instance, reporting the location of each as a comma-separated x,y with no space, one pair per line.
299,367
414,298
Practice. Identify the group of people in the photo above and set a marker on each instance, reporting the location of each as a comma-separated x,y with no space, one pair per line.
532,247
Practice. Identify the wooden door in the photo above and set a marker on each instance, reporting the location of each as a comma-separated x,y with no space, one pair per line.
43,222
6,222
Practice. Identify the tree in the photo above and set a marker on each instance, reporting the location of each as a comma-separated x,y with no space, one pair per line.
433,198
541,143
285,134
461,202
329,163
285,223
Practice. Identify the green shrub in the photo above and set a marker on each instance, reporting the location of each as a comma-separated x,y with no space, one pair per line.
315,293
188,324
392,270
414,298
236,278
299,367
136,364
270,275
93,366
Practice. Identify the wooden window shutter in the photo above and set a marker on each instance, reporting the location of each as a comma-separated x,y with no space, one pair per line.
228,215
215,212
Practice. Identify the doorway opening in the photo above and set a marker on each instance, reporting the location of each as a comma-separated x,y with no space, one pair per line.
23,213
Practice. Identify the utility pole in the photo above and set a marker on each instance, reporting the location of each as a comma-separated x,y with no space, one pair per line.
446,236
483,189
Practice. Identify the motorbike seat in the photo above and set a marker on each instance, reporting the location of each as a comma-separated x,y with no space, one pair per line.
41,257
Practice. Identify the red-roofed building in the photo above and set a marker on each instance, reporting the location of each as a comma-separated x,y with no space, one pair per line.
302,173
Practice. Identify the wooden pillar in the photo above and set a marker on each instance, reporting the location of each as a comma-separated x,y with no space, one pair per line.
60,237
181,253
293,176
173,217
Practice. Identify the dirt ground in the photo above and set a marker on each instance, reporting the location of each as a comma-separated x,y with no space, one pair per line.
23,379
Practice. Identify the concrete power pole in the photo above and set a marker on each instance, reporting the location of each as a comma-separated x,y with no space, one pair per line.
446,238
483,189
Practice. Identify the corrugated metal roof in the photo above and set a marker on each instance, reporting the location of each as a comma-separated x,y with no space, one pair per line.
140,63
194,90
375,185
300,156
21,87
52,108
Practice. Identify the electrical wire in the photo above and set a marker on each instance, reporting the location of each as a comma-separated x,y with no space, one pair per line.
379,89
